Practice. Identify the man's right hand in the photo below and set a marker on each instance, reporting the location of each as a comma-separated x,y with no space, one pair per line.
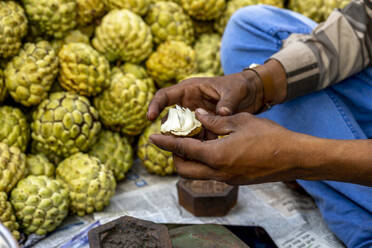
224,95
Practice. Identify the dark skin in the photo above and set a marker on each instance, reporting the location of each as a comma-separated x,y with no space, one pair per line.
254,150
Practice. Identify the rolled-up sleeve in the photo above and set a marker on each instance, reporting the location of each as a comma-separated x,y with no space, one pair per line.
335,50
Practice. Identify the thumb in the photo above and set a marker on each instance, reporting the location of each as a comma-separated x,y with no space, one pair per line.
228,103
220,125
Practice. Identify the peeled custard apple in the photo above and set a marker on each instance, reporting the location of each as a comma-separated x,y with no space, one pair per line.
64,124
75,35
204,10
139,7
12,167
207,50
231,7
155,160
30,75
90,183
14,129
123,106
138,71
7,217
89,10
168,22
115,152
13,27
40,203
39,165
123,35
172,61
83,70
53,17
3,90
181,122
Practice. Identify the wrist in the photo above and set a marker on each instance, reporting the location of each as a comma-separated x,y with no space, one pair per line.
254,81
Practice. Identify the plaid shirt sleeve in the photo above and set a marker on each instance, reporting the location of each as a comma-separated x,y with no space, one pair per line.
335,50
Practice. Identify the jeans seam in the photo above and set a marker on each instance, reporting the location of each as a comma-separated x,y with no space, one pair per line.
343,114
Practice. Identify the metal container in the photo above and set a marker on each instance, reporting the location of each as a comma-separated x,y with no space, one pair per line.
6,238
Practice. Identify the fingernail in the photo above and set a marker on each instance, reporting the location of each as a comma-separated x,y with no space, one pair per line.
201,111
225,110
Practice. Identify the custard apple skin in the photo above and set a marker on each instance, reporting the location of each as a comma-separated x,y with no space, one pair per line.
30,75
139,7
231,7
14,129
155,160
65,124
168,22
3,90
172,61
83,70
37,149
13,27
123,35
115,152
7,217
89,10
204,10
39,165
123,106
207,50
90,183
12,167
40,203
75,35
137,71
276,3
53,17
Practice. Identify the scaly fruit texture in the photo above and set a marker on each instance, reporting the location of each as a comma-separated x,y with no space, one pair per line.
276,3
204,10
139,7
154,159
207,50
7,217
172,61
89,10
3,90
12,167
13,27
90,183
83,70
115,152
39,165
168,22
231,8
123,35
123,106
41,203
52,17
14,129
138,71
318,10
75,35
30,75
65,124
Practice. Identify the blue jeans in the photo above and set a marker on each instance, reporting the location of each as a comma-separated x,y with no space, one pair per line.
343,111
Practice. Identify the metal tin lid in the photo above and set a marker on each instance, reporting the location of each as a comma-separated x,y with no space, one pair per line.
6,238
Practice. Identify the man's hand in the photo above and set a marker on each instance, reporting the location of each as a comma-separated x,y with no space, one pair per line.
254,150
222,95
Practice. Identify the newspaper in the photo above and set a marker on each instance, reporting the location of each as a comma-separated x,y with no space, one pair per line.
290,218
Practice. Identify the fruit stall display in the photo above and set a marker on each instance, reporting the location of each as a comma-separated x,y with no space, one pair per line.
76,78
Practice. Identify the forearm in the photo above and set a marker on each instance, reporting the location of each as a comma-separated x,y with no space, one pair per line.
336,160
